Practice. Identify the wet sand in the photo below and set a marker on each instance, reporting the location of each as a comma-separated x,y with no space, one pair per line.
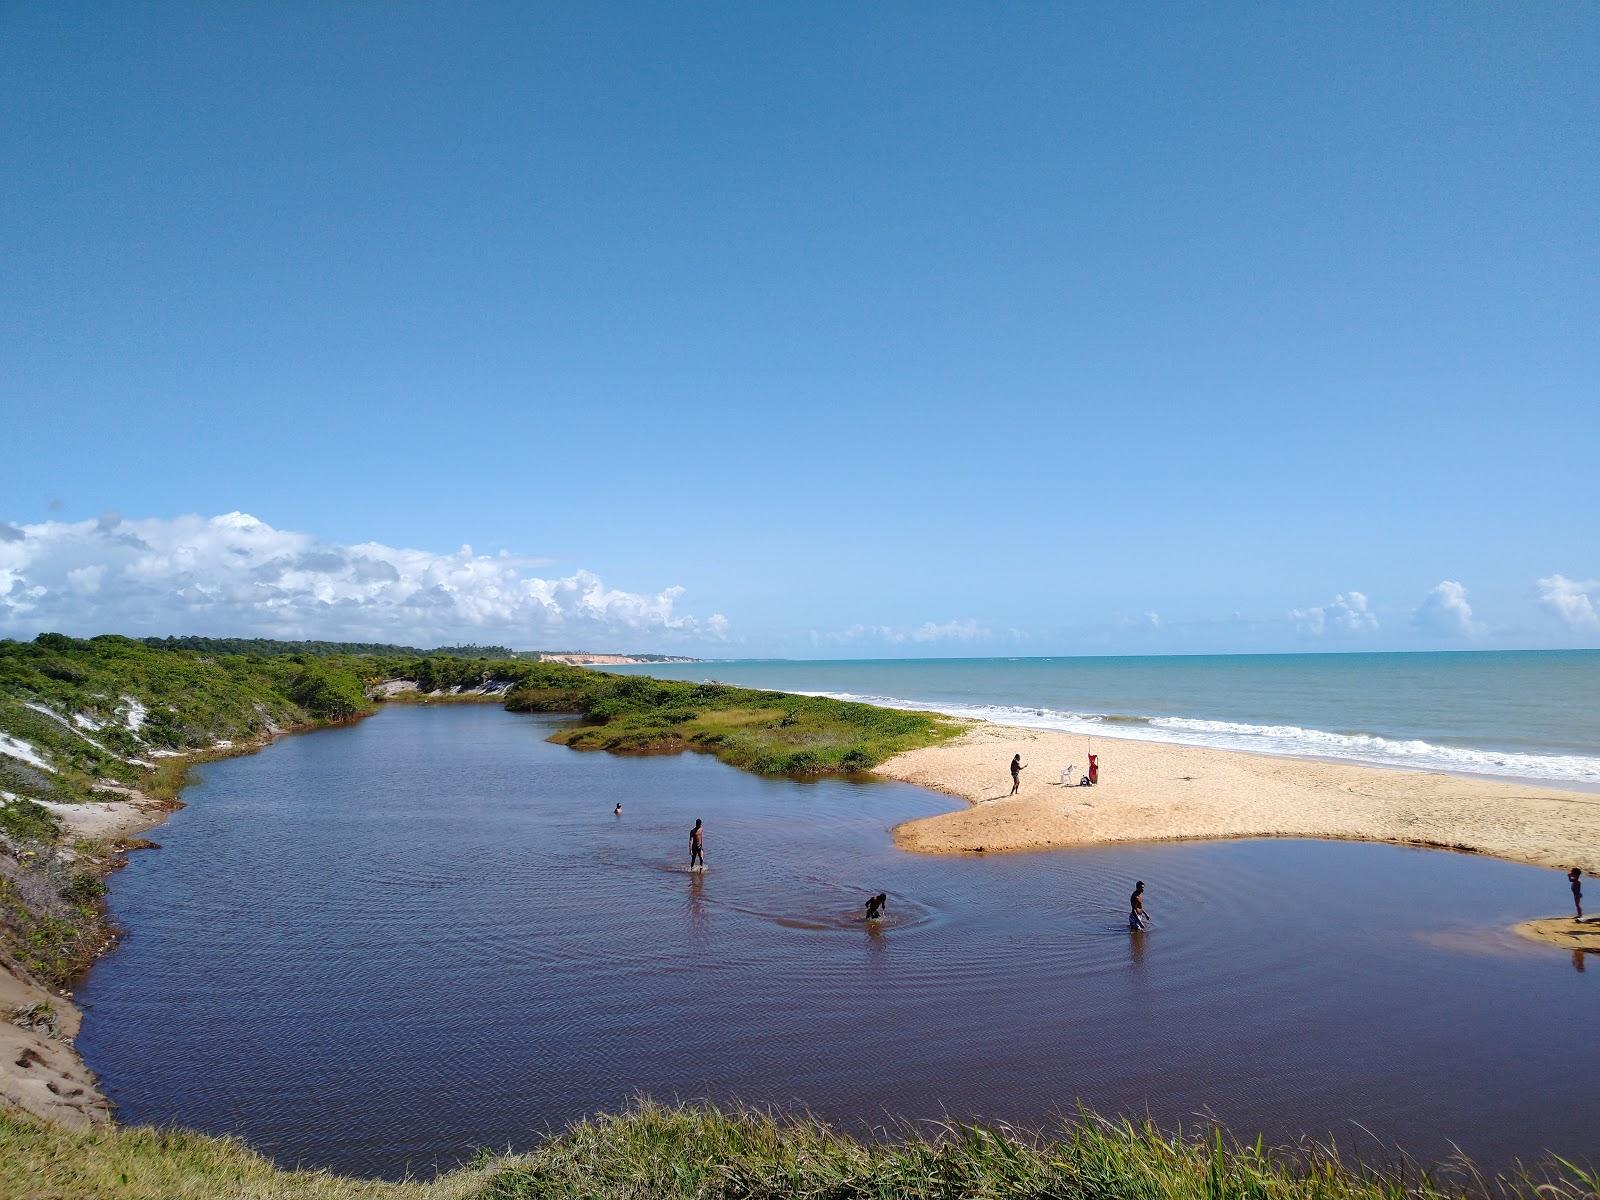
1566,932
1152,792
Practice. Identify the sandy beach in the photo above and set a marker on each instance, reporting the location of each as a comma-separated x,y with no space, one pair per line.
1150,791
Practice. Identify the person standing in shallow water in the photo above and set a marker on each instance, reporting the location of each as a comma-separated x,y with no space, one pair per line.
1017,767
1575,878
1137,917
697,850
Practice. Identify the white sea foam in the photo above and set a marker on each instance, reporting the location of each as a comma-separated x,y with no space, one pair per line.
1271,739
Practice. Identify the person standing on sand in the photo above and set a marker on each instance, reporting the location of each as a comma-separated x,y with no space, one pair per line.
1138,919
1575,878
1017,767
697,850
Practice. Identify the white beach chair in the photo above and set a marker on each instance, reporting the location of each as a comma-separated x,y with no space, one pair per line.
1068,772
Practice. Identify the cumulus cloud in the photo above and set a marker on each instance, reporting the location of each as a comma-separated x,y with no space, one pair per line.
233,575
1445,611
1572,600
1346,613
928,631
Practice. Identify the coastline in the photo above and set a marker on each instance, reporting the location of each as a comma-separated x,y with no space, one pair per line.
1149,791
1160,791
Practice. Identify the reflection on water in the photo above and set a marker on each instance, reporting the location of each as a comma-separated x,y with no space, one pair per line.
380,947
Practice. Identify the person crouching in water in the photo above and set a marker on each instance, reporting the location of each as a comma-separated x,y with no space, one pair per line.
1138,919
876,905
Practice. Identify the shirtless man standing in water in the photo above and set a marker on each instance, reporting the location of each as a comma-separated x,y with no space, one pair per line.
1575,878
697,853
1137,917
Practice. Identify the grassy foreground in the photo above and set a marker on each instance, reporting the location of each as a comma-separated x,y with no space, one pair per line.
708,1154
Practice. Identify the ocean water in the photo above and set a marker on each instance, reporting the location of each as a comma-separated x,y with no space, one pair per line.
1523,714
379,947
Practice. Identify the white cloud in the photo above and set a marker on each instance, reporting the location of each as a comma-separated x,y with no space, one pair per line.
1346,613
1445,611
1572,600
928,631
233,575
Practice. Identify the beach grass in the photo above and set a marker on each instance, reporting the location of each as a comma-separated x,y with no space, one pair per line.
705,1153
770,733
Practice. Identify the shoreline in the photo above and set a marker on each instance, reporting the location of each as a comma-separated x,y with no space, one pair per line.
1149,792
41,1070
1165,791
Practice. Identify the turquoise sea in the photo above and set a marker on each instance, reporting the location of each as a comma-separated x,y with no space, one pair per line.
1522,714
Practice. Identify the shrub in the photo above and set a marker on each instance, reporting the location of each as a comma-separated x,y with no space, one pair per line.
327,694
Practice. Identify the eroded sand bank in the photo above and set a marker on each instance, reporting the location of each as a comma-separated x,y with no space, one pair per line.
1150,791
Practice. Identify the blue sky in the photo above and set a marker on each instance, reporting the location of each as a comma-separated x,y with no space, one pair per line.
890,329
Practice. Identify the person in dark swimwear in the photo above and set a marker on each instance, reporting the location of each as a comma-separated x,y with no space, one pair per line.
697,850
618,809
875,906
1017,767
1575,878
1137,917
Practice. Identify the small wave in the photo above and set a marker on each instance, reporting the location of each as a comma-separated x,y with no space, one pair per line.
1369,748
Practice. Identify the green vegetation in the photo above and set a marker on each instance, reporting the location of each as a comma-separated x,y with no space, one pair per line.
272,648
658,1153
773,733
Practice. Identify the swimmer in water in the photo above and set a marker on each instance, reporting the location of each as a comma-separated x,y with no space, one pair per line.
875,906
697,850
1138,919
618,809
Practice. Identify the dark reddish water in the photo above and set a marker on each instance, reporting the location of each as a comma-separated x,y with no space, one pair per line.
378,948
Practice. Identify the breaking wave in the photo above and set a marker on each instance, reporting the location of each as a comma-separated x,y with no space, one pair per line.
1368,748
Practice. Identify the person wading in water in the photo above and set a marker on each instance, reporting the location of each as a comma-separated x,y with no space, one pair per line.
1575,878
1017,767
1137,917
697,850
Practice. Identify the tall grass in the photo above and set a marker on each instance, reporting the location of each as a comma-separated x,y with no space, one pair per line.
654,1152
708,1154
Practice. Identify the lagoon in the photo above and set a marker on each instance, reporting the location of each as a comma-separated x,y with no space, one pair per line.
380,947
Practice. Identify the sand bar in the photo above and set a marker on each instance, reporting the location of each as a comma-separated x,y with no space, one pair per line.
1150,791
1566,932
